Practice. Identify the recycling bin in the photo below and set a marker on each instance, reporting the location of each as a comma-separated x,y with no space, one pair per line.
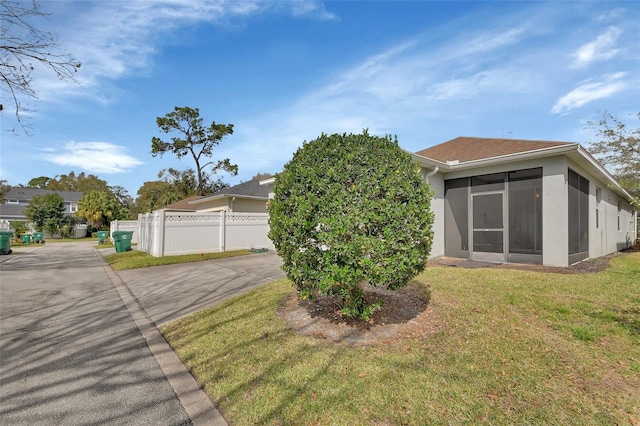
122,240
26,238
5,242
38,237
102,236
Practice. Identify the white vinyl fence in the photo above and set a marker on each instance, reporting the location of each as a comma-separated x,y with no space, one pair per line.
125,225
172,233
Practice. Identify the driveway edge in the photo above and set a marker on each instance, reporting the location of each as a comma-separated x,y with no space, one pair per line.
195,402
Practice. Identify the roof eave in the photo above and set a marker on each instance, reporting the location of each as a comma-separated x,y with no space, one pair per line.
221,196
507,158
604,174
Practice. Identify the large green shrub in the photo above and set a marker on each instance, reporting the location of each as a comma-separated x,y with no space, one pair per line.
46,212
349,210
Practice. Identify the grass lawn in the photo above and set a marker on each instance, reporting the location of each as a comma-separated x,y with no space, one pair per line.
138,259
514,347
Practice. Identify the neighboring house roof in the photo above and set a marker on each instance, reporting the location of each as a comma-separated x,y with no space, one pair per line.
20,193
182,205
25,195
470,152
250,189
12,211
464,149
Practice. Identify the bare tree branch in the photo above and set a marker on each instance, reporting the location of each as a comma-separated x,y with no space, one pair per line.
23,47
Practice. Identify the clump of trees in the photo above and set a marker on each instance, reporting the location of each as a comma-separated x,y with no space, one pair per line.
351,210
619,148
172,185
99,208
46,212
99,205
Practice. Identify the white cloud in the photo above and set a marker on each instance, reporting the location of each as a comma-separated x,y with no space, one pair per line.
407,86
118,38
590,91
94,157
487,42
601,49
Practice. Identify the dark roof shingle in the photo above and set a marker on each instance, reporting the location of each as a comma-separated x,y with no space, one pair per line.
21,193
250,188
465,148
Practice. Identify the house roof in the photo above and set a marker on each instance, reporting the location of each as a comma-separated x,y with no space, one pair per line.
12,211
469,152
465,149
250,189
21,193
182,205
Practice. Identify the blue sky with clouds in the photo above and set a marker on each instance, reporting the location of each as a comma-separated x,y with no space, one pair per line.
283,72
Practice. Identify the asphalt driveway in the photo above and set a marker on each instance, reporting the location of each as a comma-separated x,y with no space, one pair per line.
70,353
78,343
173,291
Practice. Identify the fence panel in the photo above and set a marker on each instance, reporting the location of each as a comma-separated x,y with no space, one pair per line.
80,230
125,225
247,231
173,233
191,233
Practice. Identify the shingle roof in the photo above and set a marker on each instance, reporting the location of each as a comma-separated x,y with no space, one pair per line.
465,148
182,204
12,210
250,188
20,193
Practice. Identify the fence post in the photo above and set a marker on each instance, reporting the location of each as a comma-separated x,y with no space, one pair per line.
223,230
161,224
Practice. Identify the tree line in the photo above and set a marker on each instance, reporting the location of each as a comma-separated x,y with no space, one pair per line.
102,203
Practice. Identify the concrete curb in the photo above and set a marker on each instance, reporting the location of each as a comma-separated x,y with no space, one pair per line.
195,402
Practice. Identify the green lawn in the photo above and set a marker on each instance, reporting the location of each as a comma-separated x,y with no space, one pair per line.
138,259
513,347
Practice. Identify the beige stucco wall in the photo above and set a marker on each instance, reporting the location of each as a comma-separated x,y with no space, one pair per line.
243,205
221,204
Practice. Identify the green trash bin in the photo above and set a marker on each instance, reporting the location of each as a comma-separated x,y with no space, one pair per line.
5,242
102,236
38,237
122,240
26,238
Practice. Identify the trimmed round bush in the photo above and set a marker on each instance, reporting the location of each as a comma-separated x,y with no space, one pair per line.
350,210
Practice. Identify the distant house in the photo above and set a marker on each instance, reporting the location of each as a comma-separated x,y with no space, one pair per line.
524,201
18,198
247,197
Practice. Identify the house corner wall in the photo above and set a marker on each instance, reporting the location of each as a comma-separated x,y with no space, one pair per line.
555,219
436,182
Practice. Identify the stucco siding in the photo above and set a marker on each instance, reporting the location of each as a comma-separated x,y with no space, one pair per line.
610,229
250,206
555,219
436,182
218,205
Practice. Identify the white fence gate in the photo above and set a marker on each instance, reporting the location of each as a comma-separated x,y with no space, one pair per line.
173,233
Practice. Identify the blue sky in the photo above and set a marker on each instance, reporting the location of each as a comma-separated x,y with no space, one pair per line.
284,72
